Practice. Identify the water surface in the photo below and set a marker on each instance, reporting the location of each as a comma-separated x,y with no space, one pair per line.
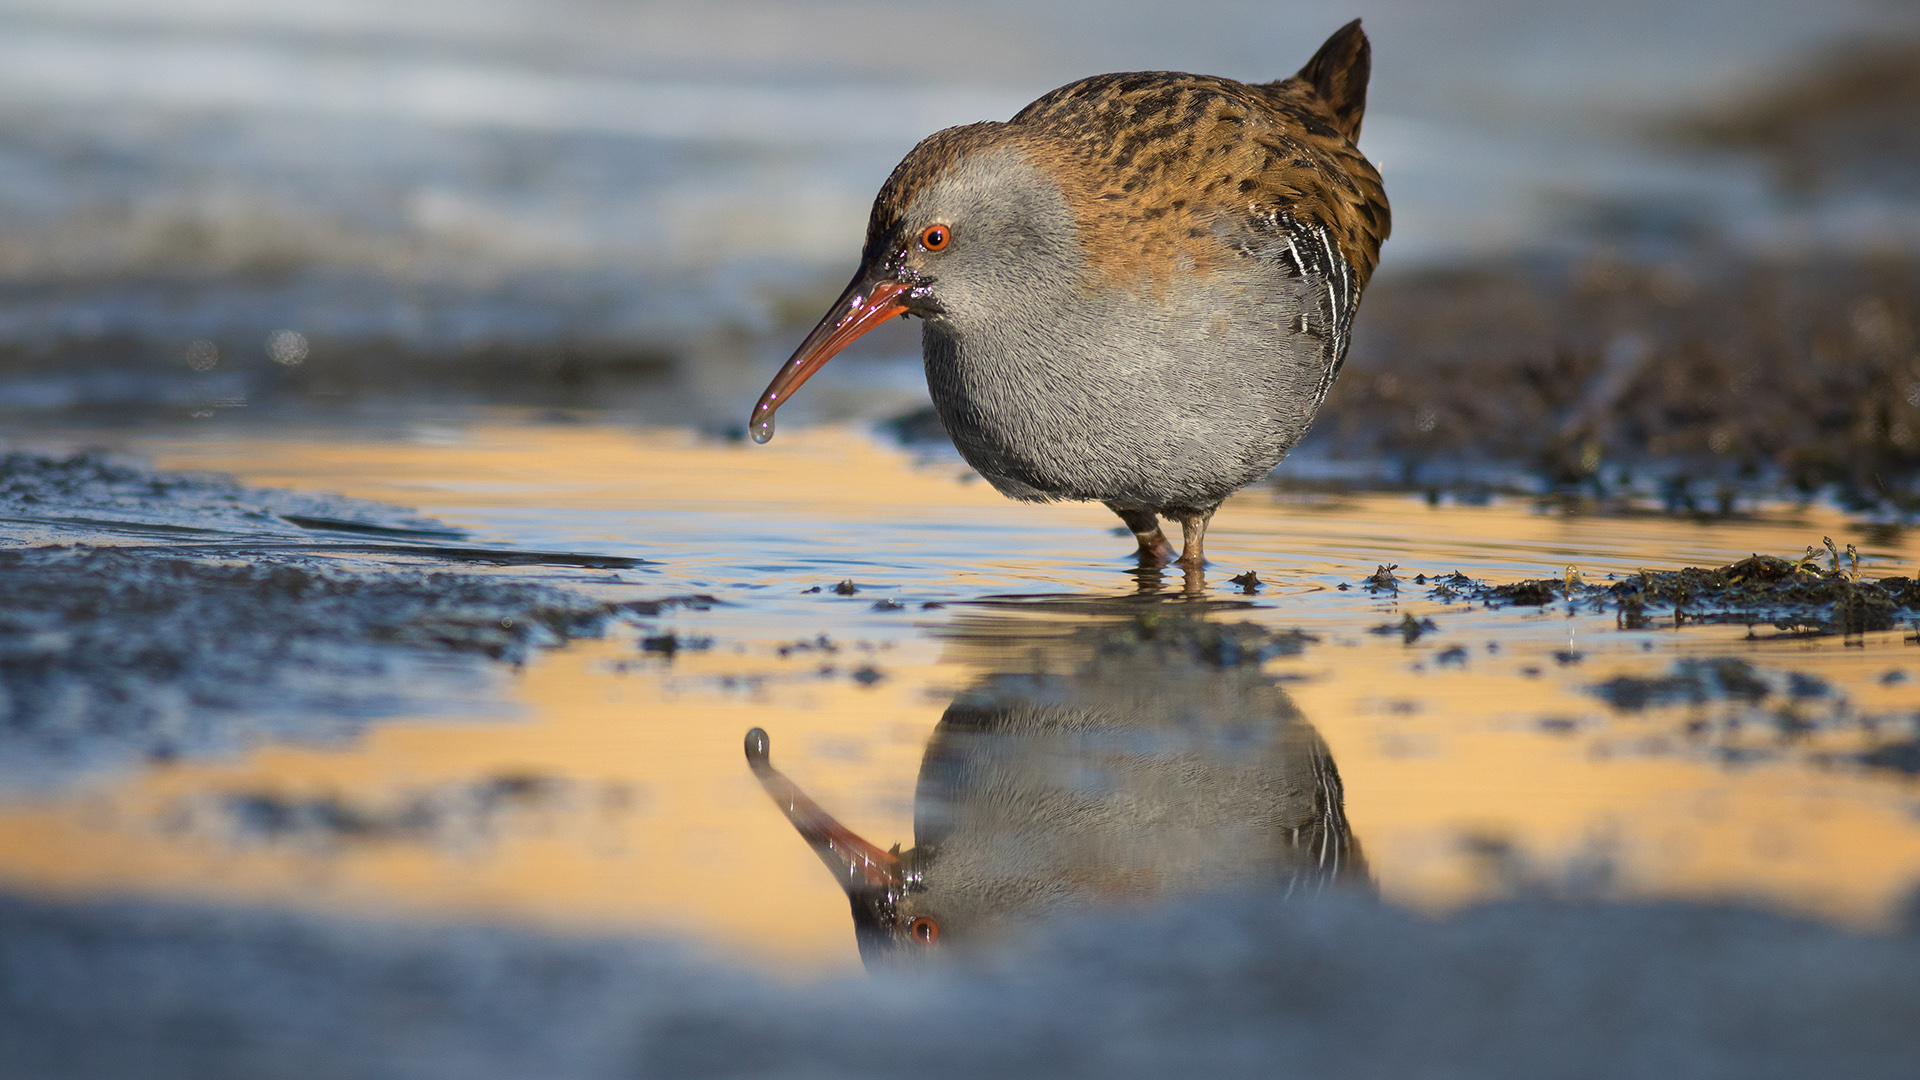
610,788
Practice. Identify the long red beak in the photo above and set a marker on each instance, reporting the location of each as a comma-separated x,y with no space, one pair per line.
858,864
861,308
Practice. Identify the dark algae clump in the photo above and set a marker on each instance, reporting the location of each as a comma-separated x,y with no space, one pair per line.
1791,595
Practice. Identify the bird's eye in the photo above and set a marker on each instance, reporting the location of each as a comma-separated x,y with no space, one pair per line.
924,930
935,237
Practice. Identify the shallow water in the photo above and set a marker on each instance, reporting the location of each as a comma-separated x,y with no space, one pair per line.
611,789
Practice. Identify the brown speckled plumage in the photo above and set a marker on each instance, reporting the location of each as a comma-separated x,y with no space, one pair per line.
1142,287
1151,160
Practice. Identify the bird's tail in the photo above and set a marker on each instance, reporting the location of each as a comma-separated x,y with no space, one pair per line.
1338,74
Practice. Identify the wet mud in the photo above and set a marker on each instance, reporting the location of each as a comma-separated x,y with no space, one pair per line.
155,616
1693,383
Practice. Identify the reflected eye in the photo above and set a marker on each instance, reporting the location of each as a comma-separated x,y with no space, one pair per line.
933,239
924,930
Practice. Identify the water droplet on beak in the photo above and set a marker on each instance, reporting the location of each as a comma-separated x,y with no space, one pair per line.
762,431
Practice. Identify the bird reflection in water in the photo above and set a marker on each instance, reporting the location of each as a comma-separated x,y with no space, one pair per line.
1141,761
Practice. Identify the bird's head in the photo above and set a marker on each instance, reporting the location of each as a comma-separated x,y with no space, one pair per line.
892,920
972,226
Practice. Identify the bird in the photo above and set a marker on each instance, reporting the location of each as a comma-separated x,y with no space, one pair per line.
1137,291
1140,773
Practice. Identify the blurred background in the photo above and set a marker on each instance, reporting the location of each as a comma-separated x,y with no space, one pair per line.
340,208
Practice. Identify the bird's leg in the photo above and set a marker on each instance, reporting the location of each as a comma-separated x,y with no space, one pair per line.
1193,534
1145,525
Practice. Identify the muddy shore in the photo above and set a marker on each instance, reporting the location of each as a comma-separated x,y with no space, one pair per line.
154,616
1705,383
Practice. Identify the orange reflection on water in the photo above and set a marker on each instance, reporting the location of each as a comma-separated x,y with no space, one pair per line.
1469,759
688,846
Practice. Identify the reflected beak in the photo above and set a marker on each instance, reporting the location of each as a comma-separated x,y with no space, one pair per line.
863,870
865,305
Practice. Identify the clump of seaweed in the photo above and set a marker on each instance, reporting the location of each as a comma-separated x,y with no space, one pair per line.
1795,595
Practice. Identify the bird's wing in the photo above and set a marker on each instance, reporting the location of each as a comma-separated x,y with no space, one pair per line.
1311,206
1159,160
1306,250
